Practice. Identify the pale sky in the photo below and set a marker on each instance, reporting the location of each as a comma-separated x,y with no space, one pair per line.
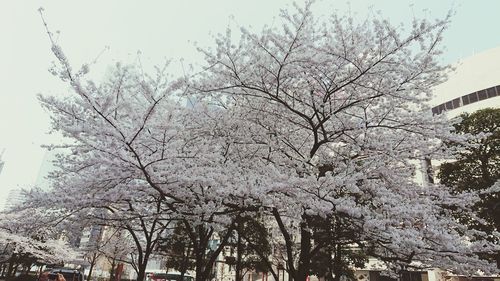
160,30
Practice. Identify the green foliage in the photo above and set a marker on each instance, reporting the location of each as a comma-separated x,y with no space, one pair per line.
477,165
339,254
249,244
178,249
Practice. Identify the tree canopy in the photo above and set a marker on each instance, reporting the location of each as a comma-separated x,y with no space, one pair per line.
316,119
476,167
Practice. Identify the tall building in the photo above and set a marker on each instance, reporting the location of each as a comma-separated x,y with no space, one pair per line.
46,167
14,198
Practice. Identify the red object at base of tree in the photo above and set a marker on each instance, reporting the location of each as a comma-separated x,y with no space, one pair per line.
118,272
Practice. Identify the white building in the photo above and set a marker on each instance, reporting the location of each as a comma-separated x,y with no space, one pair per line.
474,84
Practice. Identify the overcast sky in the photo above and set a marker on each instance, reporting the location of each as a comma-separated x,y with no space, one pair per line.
160,30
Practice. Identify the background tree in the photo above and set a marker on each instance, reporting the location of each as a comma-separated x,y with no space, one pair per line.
92,249
250,246
476,167
178,250
133,142
26,240
117,248
338,258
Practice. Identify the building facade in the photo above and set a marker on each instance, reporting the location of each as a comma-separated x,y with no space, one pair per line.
473,84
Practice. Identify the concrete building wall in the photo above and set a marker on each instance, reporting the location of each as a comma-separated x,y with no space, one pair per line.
471,75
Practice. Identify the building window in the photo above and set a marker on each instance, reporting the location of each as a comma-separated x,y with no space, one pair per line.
465,100
491,92
435,110
482,95
473,97
449,105
441,108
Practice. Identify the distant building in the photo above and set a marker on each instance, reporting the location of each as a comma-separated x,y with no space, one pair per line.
46,167
14,198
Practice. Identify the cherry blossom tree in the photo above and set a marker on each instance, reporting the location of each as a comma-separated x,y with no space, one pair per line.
137,159
119,133
25,241
109,206
130,140
337,113
321,118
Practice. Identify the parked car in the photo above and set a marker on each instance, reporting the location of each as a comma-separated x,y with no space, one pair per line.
160,275
69,274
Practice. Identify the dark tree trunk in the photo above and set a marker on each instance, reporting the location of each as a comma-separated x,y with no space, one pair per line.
301,272
305,253
200,237
112,271
92,263
143,262
337,267
185,264
199,267
10,268
200,249
141,273
239,254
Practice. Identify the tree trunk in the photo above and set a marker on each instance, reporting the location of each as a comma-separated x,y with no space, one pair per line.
92,263
10,268
200,237
199,264
239,254
112,271
141,273
185,264
337,267
144,259
305,253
